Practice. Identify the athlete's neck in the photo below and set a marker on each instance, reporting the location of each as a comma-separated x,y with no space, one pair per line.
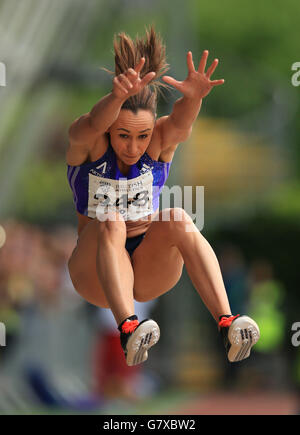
123,168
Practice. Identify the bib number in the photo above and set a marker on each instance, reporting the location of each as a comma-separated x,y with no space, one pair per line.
131,198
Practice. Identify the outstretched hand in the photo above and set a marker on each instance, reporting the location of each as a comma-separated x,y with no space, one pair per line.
198,83
130,83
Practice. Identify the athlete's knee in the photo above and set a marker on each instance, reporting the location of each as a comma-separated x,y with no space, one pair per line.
111,224
139,296
179,220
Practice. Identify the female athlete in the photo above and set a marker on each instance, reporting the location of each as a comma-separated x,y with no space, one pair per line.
119,156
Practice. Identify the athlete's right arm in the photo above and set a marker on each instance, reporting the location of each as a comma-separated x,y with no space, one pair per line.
84,131
92,126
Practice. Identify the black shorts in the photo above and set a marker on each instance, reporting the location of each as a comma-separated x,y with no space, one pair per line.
133,242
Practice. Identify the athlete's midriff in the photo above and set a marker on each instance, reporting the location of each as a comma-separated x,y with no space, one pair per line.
134,228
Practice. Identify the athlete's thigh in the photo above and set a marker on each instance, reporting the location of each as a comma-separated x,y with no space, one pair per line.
83,271
157,263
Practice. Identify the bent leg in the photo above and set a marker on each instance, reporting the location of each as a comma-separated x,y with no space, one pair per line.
101,270
204,271
158,261
114,268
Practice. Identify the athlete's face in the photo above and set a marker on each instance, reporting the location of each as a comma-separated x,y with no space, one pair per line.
130,134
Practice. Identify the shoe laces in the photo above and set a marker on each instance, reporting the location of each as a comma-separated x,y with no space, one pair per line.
226,321
129,326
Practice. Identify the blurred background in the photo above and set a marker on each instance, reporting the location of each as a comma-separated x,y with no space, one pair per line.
62,354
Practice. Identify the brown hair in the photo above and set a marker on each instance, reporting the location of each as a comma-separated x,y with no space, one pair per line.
128,54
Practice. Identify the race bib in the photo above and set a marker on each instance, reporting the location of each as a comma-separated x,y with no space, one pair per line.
132,198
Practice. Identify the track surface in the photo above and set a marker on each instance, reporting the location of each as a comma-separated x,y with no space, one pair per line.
240,404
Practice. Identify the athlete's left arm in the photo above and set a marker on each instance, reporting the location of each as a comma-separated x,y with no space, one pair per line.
177,127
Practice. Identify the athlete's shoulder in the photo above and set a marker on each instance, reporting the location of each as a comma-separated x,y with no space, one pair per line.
159,148
82,130
80,153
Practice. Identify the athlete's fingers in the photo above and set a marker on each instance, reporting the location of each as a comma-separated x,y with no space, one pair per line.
118,84
212,67
202,62
190,63
140,65
124,80
172,81
132,76
217,82
148,77
131,73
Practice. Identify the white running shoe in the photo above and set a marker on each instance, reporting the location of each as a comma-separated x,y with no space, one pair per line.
239,334
137,338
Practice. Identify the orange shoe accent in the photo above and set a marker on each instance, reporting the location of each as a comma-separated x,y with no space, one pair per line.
226,321
130,326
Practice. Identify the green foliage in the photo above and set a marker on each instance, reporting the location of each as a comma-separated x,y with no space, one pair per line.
256,42
44,193
115,18
284,202
81,99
